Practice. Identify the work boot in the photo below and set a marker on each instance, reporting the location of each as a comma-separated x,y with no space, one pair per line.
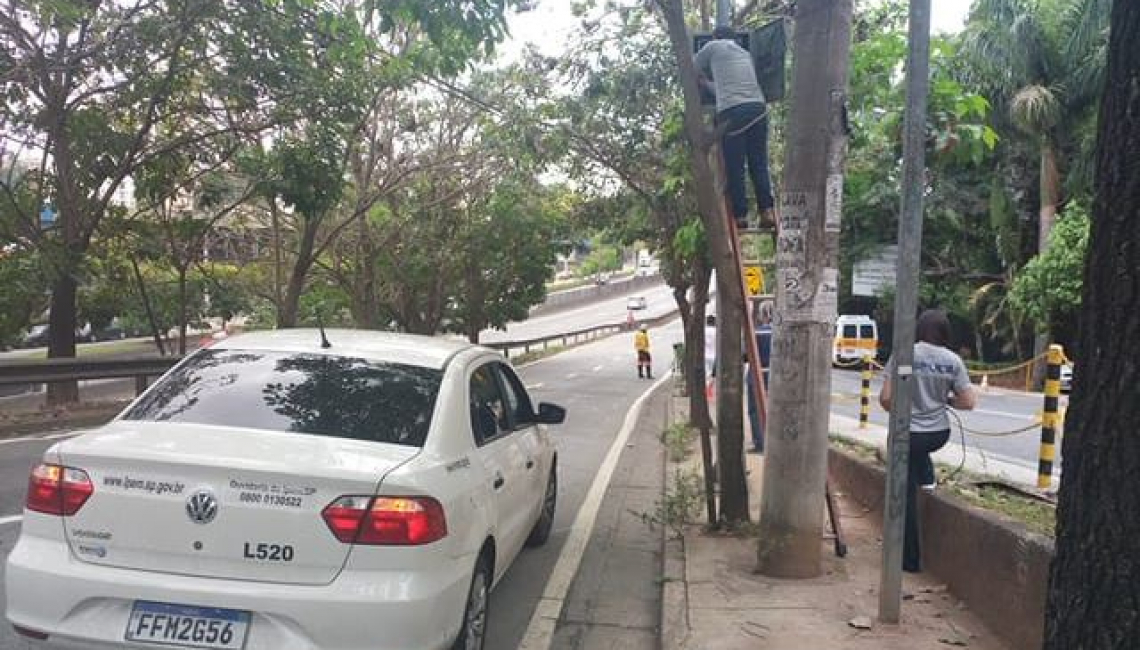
768,220
639,375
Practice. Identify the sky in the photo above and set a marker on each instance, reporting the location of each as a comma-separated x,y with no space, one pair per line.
550,23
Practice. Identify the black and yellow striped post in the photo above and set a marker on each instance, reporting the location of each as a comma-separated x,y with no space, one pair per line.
865,393
1050,419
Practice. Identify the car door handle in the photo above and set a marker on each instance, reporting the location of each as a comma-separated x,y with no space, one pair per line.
530,463
499,481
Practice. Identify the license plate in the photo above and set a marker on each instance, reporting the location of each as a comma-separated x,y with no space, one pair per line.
187,626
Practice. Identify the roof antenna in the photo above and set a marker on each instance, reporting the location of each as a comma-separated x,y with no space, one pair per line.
324,339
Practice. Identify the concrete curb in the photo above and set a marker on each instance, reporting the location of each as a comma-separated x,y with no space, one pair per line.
674,585
996,566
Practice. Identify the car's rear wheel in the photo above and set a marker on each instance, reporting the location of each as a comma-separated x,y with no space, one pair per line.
473,629
541,531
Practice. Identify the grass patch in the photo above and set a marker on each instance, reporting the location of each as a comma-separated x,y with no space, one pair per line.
861,450
678,441
976,489
88,350
535,355
126,348
680,506
1037,515
574,283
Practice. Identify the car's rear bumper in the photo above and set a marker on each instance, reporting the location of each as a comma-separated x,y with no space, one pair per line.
86,606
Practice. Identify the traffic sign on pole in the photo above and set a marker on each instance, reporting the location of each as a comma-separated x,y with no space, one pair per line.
47,217
754,279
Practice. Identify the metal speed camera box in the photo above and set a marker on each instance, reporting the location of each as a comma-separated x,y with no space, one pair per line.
768,46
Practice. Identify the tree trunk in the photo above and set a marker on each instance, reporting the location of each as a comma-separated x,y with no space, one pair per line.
290,306
1046,217
150,317
710,202
61,336
1050,194
1093,599
695,377
275,217
182,311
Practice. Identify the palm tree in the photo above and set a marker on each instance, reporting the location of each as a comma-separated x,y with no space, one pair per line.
1042,61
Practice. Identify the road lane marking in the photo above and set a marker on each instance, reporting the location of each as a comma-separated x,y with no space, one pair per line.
11,519
572,375
53,436
597,368
1004,414
535,386
540,632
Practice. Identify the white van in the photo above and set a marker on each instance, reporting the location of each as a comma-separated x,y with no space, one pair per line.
856,336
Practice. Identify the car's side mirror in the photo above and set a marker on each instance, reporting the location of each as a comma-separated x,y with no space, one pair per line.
550,413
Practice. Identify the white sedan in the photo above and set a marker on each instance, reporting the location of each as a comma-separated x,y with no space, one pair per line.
272,492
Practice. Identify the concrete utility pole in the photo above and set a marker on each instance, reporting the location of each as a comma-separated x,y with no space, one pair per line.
906,304
807,282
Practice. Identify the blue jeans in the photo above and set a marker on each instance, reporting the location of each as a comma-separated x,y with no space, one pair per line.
746,148
753,409
920,471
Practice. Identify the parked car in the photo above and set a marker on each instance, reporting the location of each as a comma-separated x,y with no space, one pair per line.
275,491
39,336
35,337
113,331
1066,378
635,303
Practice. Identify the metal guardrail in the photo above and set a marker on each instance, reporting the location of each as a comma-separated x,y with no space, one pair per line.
46,371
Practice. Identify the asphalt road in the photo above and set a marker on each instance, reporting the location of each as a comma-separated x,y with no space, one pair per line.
597,383
659,301
998,412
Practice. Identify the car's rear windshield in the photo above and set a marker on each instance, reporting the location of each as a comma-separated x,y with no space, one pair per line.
316,394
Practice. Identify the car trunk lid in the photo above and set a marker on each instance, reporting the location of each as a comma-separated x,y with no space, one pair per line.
217,501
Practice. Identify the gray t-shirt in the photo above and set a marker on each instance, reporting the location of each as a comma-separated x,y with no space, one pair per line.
937,372
730,67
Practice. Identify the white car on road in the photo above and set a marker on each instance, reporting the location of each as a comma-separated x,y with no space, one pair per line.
636,303
271,493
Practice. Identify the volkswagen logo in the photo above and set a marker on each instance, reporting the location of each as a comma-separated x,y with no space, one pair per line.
202,507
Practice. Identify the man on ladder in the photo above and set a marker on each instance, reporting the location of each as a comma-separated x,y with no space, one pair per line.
742,117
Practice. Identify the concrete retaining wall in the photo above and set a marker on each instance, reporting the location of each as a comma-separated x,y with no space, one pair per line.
995,565
581,295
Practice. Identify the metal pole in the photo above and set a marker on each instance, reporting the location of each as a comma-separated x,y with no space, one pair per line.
1049,417
906,304
865,393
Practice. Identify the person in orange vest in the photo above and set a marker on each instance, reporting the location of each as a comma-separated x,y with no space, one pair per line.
644,360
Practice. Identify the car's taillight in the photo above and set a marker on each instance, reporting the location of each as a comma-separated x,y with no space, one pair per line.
344,515
394,521
58,490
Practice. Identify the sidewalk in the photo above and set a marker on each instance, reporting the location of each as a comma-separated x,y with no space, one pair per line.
713,600
615,599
